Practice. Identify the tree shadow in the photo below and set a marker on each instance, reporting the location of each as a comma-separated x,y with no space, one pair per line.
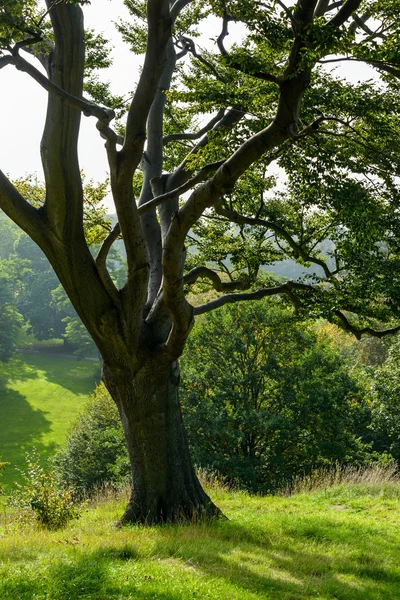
78,377
88,576
351,575
21,425
213,555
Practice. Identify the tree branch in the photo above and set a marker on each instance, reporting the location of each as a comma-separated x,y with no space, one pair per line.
189,45
324,7
298,251
101,263
172,137
21,212
174,194
235,65
89,109
218,284
348,8
182,173
366,330
287,289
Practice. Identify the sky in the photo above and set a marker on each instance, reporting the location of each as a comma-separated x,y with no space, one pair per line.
23,101
23,104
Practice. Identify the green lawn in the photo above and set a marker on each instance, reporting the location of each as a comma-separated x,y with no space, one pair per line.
337,544
39,398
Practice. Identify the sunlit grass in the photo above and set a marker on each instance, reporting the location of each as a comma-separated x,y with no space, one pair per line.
39,398
337,543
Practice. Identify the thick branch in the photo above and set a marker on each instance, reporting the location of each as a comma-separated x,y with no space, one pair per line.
365,330
89,109
159,32
218,284
177,7
21,212
348,8
287,289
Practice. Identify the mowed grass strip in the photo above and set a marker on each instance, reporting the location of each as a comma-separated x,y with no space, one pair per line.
337,544
40,396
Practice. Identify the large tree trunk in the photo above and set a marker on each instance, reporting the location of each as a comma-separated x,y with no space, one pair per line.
165,486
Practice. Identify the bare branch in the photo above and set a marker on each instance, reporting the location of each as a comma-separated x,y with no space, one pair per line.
159,32
324,7
183,171
218,284
89,109
366,330
223,34
101,261
173,194
286,10
287,289
107,243
189,45
177,7
172,137
235,65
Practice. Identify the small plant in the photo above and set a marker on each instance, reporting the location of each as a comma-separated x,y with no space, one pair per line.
2,467
43,498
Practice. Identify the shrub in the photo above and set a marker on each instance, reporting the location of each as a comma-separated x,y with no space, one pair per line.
94,453
43,498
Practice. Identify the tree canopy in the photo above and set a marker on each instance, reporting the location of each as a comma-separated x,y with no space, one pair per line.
227,158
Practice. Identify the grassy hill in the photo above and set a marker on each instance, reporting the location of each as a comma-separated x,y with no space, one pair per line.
341,543
40,395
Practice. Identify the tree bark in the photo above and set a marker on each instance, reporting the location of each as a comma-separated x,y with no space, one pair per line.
165,487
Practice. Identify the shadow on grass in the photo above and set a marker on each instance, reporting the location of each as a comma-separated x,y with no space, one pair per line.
208,557
251,567
358,571
21,425
78,377
89,576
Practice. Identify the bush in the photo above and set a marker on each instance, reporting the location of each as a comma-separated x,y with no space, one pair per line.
94,453
43,498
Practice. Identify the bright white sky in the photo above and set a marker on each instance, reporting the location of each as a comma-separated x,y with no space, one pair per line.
23,101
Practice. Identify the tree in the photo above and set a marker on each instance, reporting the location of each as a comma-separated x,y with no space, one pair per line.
283,400
384,388
272,103
10,318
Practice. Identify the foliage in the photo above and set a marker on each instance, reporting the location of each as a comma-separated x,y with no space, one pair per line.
95,452
384,393
42,497
283,400
10,318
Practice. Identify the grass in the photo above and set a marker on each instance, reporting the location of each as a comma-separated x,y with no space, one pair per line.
339,543
40,395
